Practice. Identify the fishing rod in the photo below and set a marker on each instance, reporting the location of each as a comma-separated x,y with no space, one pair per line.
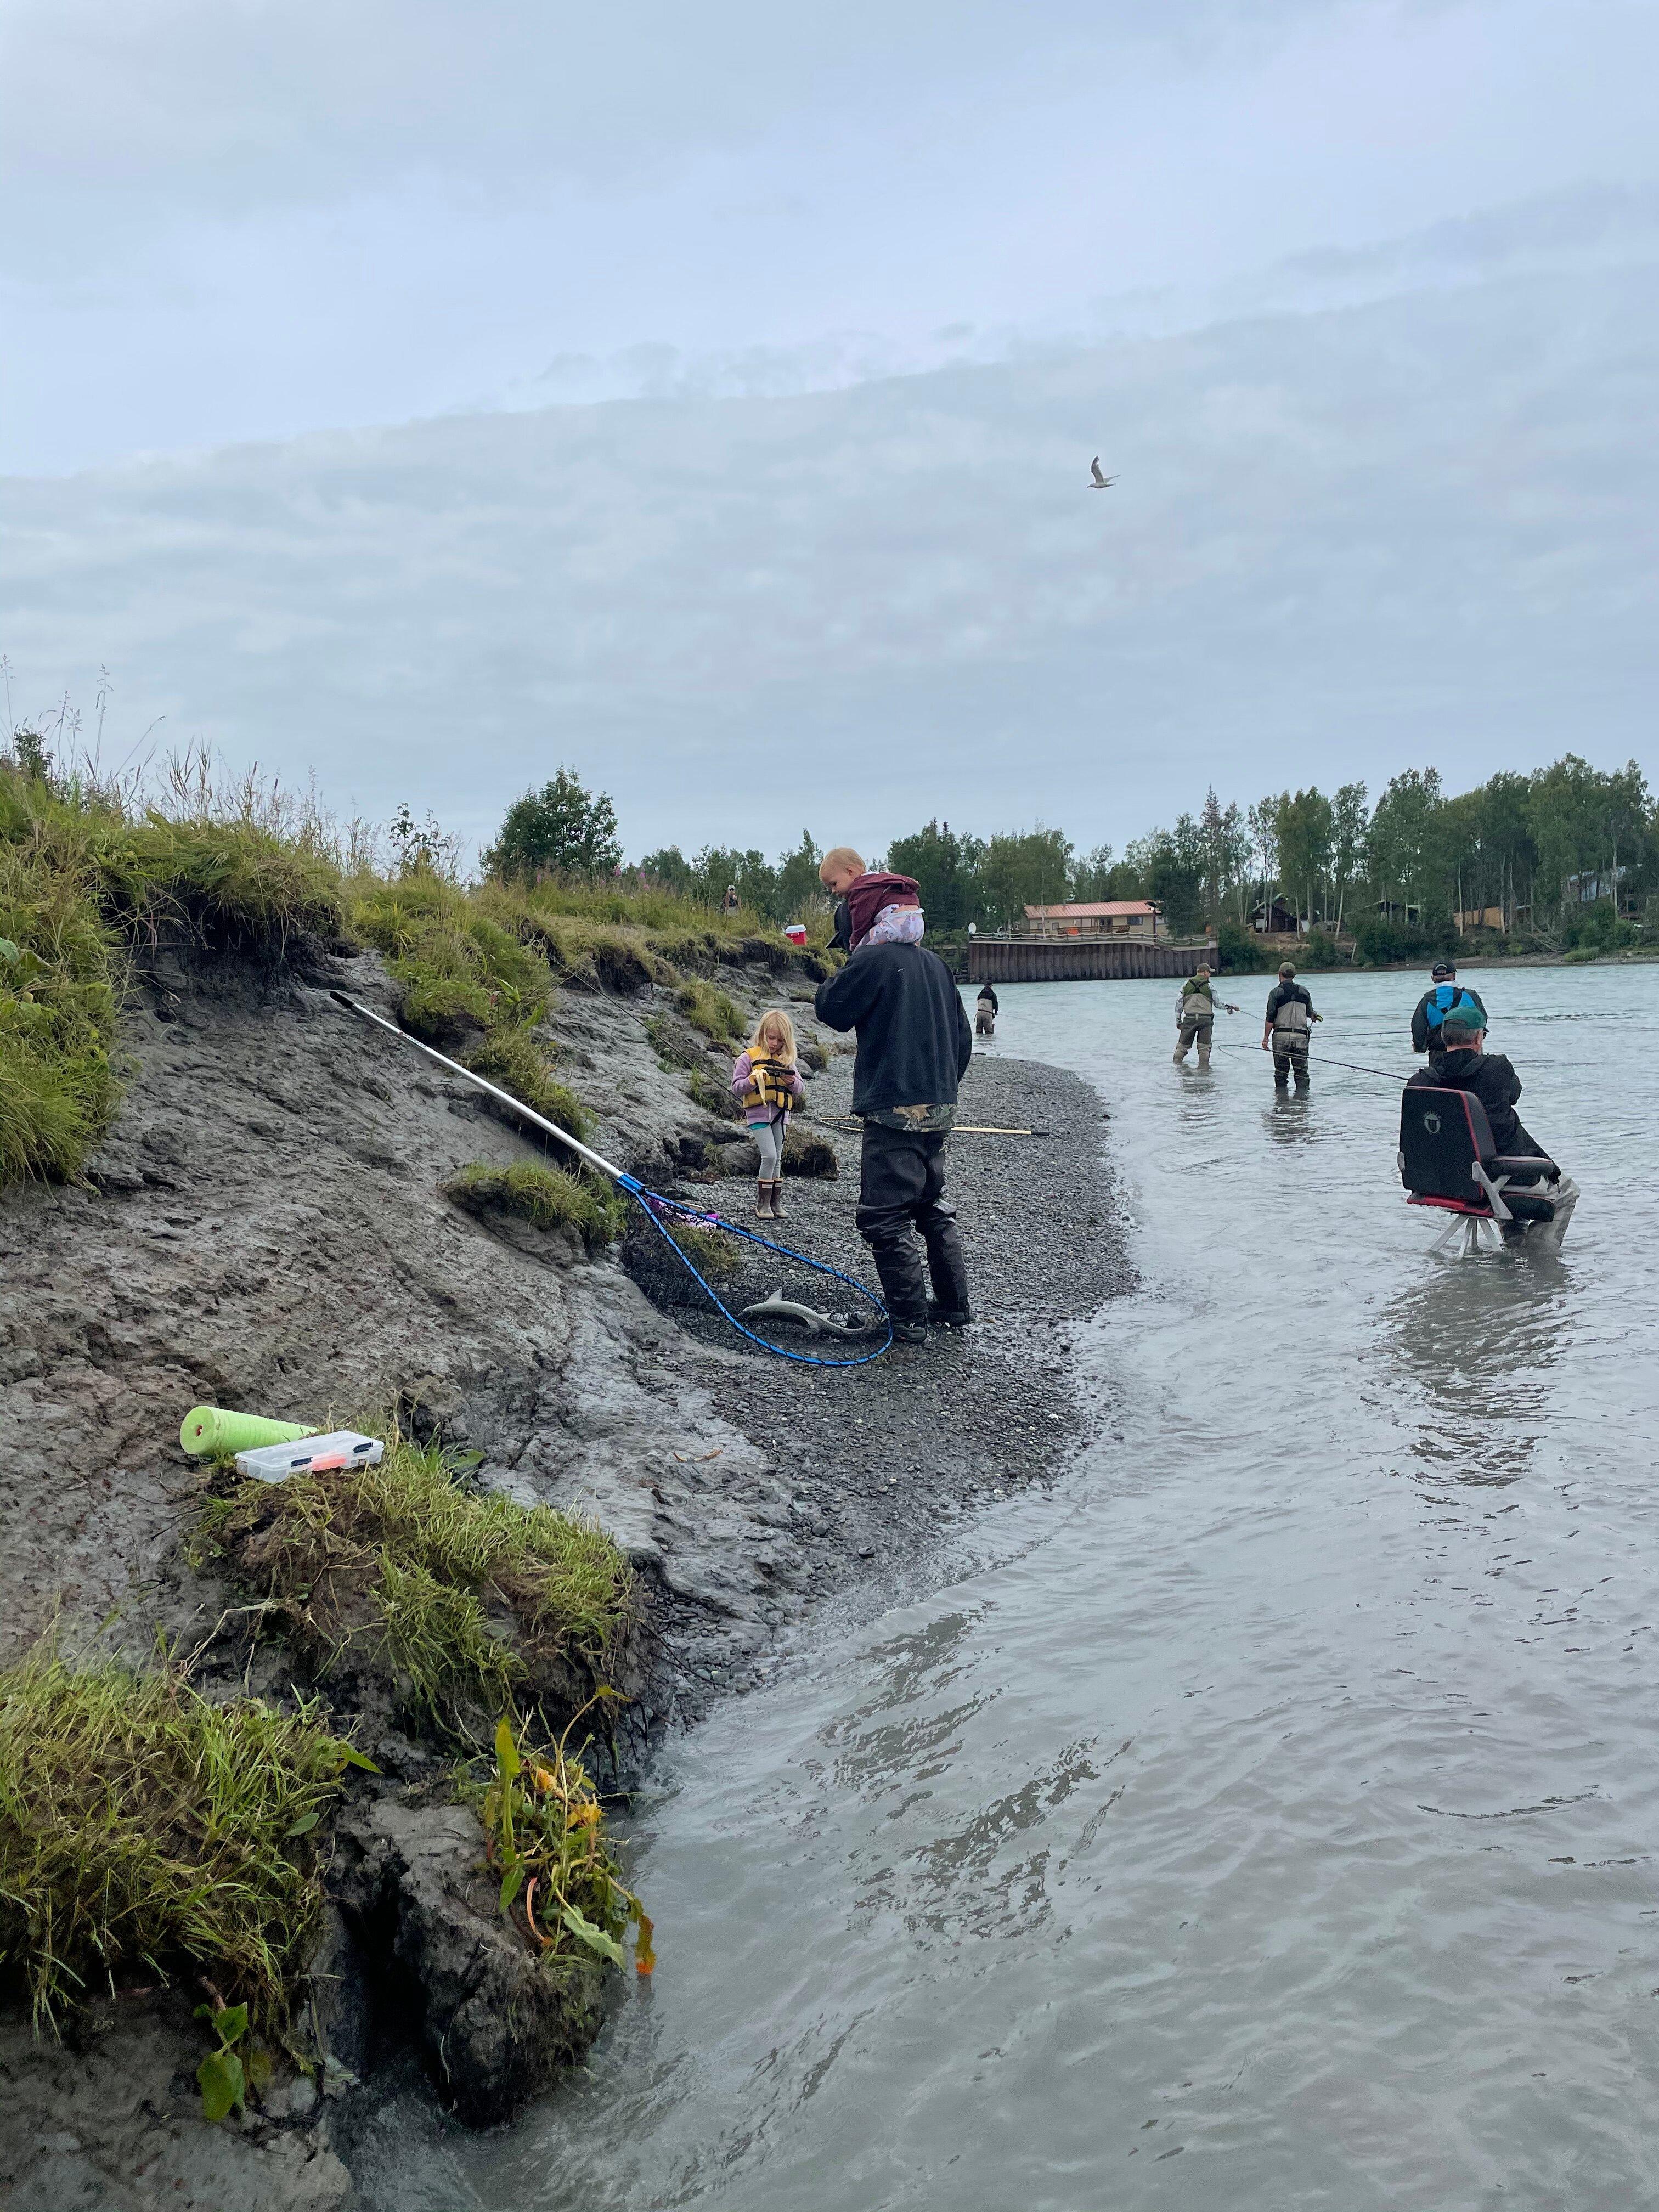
1328,1060
652,1204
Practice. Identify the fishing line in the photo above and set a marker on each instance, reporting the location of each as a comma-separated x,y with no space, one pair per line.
1326,1060
654,1206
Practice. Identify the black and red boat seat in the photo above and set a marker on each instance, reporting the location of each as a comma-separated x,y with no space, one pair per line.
1449,1158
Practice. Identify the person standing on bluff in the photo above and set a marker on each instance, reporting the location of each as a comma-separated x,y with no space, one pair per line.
913,1046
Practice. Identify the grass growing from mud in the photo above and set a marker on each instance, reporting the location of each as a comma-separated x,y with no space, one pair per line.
82,879
547,1197
463,1599
144,1832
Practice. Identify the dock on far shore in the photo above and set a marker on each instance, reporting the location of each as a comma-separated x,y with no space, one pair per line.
1079,959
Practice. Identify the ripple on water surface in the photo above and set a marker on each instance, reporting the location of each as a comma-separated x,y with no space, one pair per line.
1275,1826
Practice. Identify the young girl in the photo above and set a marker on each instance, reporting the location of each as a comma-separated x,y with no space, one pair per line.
767,1082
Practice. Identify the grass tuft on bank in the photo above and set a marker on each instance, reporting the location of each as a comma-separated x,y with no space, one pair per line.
145,1833
462,1598
83,879
547,1197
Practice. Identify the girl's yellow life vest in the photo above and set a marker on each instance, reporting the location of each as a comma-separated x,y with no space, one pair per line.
769,1086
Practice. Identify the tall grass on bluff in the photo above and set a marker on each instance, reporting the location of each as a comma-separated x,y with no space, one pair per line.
86,872
462,1598
473,988
146,1833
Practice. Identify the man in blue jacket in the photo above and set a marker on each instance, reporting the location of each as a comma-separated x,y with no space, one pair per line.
914,1045
1434,1005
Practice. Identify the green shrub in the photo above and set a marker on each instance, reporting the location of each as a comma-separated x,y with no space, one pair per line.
1379,940
145,1830
1241,951
548,1198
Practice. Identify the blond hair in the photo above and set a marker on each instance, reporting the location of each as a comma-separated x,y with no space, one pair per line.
774,1016
839,857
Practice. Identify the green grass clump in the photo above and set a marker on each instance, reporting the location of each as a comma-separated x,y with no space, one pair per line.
713,1256
83,876
548,1198
514,1060
235,885
58,1089
145,1832
461,969
709,1011
713,1096
399,1567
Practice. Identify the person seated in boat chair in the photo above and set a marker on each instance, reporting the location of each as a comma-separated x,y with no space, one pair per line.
1464,1064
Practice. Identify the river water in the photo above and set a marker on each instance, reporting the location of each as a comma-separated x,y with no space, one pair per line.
1269,1820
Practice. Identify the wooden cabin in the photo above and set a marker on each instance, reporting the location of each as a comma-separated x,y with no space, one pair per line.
1135,918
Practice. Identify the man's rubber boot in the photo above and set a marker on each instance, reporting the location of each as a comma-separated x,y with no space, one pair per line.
947,1268
778,1214
903,1289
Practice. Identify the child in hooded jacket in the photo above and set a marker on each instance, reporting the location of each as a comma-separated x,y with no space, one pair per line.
766,1082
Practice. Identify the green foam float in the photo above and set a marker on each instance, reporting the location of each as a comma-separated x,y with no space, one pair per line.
207,1428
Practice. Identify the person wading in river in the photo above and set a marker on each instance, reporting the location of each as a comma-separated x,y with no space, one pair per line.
913,1046
985,1011
1445,996
1285,1032
1196,1017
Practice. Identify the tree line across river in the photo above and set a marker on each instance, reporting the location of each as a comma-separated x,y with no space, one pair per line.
1565,856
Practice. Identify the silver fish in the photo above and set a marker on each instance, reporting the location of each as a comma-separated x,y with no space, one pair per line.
779,1308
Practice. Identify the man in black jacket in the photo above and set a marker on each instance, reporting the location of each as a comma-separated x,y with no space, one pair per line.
1463,1064
1444,996
915,1045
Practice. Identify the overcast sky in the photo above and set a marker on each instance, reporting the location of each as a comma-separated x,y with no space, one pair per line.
431,393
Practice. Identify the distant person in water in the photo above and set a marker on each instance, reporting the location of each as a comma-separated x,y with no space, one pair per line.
870,906
1462,1063
1285,1031
985,1011
913,1046
1195,1019
1445,996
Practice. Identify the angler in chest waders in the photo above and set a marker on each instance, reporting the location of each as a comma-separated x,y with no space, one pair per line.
1285,1031
1196,1017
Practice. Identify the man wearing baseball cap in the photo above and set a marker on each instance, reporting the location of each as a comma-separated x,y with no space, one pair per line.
1445,994
1285,1030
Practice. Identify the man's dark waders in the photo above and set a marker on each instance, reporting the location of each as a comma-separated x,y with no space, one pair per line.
901,1187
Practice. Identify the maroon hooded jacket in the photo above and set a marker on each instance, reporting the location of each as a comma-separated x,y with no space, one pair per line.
867,894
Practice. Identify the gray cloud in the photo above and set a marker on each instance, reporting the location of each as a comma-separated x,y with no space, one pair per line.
1421,527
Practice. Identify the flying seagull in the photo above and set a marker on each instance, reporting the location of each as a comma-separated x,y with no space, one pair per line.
1100,483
